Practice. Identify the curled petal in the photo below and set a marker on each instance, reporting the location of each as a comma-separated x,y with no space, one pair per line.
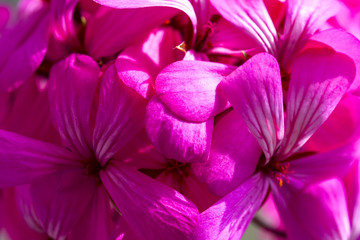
189,89
175,138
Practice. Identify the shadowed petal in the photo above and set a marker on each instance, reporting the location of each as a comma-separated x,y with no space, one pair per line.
22,159
251,17
175,138
151,209
23,48
72,85
316,212
319,79
103,38
4,16
352,187
233,156
138,65
60,200
229,217
96,222
119,118
254,90
342,42
303,18
189,89
325,165
183,5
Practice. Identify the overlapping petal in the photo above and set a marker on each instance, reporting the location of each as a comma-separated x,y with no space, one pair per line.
120,116
253,18
24,45
97,218
148,206
103,38
190,89
60,200
303,18
321,166
72,86
319,79
317,212
229,217
233,157
176,138
342,42
183,5
255,91
22,159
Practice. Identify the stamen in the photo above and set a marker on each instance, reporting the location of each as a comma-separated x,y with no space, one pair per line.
281,172
181,168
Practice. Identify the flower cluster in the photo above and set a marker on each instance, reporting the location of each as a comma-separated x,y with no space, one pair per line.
180,119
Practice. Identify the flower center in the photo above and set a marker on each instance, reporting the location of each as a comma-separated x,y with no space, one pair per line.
279,170
92,168
183,169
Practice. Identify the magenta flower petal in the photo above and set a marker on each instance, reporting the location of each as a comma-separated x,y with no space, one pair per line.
138,65
175,138
345,43
72,85
340,128
303,18
96,222
60,199
189,89
229,217
119,118
63,25
328,164
23,46
22,159
319,79
14,220
254,89
4,16
104,38
149,206
183,5
229,164
352,187
253,18
317,212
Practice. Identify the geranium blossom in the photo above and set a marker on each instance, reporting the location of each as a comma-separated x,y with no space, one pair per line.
179,119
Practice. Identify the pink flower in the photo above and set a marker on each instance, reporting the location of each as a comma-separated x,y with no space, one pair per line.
255,91
70,186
